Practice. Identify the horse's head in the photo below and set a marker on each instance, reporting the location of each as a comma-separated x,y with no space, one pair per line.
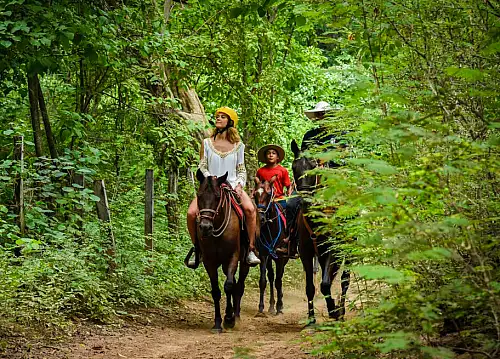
300,166
209,196
263,194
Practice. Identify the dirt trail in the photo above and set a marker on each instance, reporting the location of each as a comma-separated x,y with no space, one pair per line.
185,333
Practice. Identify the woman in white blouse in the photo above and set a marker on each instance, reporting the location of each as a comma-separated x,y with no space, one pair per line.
221,153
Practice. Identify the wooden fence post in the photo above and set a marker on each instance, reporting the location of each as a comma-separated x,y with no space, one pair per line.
18,184
79,179
149,210
105,218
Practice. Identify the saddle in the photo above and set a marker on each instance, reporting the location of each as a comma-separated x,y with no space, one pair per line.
235,202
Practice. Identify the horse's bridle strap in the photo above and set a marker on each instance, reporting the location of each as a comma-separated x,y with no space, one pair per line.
214,212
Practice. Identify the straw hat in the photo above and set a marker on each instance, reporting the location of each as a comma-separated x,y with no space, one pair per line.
261,155
321,106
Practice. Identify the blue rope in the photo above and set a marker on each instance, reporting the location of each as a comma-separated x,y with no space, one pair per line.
271,246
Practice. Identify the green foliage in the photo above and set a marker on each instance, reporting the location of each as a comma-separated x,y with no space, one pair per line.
417,200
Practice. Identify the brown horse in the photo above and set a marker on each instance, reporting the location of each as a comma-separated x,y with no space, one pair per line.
272,233
312,243
219,238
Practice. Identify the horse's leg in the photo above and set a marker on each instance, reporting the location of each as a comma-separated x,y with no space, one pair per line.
240,287
280,270
229,288
307,263
216,295
270,277
329,269
262,281
345,282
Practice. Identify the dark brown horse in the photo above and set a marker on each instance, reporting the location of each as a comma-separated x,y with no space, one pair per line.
219,238
312,243
272,233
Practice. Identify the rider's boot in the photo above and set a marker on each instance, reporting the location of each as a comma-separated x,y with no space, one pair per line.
252,259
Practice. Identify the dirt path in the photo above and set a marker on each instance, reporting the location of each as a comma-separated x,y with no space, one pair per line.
185,333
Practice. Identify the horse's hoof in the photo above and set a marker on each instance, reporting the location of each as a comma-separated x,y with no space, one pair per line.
229,323
278,312
260,314
216,330
272,311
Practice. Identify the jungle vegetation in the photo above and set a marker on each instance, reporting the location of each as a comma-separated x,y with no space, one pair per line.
105,89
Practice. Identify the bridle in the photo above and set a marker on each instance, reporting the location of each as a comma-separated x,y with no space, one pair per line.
265,210
210,214
309,188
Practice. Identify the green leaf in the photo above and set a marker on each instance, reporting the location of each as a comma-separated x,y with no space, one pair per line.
5,43
93,197
381,168
465,73
20,26
300,20
434,254
456,221
236,11
387,274
395,341
68,189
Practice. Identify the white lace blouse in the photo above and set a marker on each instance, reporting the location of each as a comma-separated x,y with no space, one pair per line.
216,163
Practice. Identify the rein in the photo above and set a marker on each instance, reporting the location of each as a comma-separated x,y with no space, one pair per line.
271,243
224,204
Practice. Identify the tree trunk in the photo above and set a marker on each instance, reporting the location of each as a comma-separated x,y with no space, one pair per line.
46,123
35,114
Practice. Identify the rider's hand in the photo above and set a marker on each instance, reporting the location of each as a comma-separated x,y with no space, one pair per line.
239,189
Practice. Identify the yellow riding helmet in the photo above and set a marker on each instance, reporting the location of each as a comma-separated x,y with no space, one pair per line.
230,112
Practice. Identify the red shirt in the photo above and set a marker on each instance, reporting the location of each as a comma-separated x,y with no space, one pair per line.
283,180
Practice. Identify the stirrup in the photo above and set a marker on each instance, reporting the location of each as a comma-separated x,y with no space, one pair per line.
282,250
188,262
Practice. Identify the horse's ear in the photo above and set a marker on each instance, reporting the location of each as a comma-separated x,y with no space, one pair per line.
295,149
222,179
273,178
199,176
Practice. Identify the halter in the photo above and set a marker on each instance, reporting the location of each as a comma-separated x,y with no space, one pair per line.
224,201
264,209
310,188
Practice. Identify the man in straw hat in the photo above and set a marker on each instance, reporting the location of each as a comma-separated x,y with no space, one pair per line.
318,136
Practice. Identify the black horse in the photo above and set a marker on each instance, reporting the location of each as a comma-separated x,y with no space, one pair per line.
219,233
312,243
272,234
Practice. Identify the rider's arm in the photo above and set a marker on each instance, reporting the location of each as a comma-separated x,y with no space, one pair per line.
203,166
241,172
286,182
